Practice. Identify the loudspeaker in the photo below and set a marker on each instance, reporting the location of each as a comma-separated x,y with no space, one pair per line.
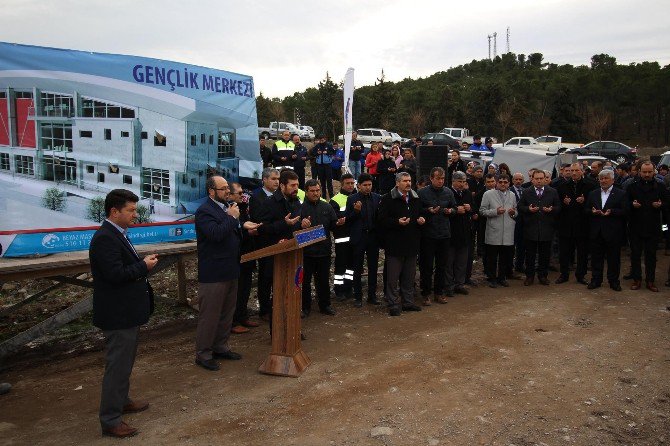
428,157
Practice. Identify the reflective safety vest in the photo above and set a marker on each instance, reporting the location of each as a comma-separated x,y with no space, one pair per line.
281,145
341,200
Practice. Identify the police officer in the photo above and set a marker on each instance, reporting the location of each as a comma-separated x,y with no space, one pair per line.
344,270
283,151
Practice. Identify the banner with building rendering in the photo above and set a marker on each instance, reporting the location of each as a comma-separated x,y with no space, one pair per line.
75,125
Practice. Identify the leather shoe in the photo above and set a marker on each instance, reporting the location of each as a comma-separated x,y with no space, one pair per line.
121,430
582,281
374,301
238,329
652,287
394,312
543,281
250,324
227,355
208,364
515,277
471,283
411,307
328,310
636,285
503,283
561,279
358,303
426,301
493,284
593,285
615,286
461,290
136,406
529,281
440,299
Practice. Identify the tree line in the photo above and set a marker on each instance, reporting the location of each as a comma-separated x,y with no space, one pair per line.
511,95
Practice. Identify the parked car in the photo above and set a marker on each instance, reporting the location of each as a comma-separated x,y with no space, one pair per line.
527,142
276,129
366,136
306,132
550,140
612,150
440,139
397,137
665,159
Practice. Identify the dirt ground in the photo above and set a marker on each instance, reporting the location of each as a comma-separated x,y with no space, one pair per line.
518,366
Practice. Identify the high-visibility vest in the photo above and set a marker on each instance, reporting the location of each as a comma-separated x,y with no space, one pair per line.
341,200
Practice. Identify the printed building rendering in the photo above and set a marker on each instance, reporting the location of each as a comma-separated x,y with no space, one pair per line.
95,122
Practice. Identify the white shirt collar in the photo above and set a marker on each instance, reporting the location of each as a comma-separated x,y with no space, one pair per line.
267,192
223,206
119,228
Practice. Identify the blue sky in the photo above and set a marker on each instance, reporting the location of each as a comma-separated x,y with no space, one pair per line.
289,45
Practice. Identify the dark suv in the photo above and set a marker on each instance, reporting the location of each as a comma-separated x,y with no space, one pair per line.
613,150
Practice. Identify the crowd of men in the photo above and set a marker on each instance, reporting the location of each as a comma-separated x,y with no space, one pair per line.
437,225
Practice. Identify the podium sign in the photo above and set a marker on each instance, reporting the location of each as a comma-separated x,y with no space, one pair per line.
287,357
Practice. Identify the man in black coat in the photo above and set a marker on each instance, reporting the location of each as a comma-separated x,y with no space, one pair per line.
241,320
122,301
361,211
608,209
573,224
519,249
648,202
438,204
400,217
539,205
343,276
460,224
270,178
316,257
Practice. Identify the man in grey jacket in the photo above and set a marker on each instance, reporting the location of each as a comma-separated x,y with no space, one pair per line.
437,204
499,208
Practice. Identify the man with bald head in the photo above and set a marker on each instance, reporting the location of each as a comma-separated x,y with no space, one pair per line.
218,231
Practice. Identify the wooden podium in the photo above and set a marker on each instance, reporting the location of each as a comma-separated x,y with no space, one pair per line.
287,357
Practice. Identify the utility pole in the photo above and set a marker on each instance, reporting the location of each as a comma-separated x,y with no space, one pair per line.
507,39
495,44
489,37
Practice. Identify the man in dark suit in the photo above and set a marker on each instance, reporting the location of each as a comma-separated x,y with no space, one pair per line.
270,178
519,249
361,214
218,231
539,205
608,209
460,222
122,301
648,202
573,224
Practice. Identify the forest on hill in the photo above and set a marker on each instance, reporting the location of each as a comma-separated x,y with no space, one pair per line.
511,95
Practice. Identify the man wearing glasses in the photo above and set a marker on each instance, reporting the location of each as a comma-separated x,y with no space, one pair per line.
499,208
218,231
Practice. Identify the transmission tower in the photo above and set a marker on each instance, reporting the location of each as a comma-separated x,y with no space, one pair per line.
489,37
507,39
495,45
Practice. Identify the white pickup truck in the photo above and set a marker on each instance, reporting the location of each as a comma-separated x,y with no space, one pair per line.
557,141
276,129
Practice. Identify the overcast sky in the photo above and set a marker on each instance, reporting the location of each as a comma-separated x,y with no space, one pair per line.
289,45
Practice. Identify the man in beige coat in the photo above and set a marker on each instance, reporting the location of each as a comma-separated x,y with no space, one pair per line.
499,208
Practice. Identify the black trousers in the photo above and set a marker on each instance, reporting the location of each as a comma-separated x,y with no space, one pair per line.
433,258
300,171
567,247
519,248
243,292
367,247
649,245
121,349
325,173
344,270
497,258
319,268
337,173
265,277
541,251
601,250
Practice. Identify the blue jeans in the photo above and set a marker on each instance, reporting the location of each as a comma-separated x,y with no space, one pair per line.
355,168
